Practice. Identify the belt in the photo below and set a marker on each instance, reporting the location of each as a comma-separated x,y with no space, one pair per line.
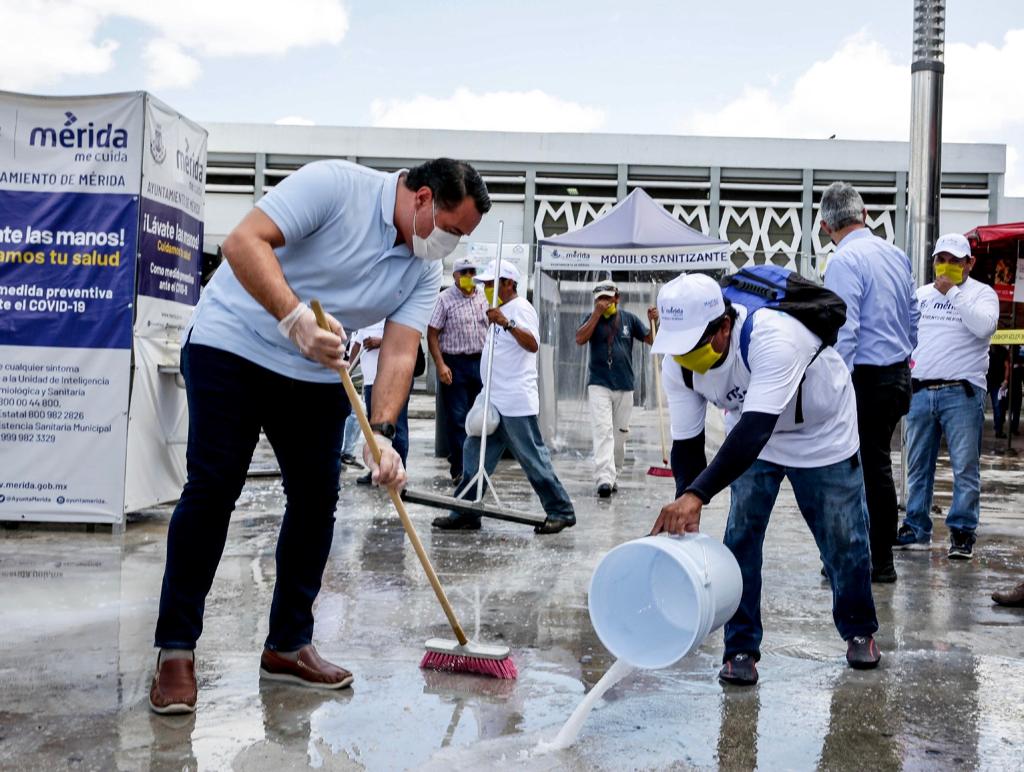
936,384
894,366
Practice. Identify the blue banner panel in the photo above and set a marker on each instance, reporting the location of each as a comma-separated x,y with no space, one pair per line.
67,269
170,253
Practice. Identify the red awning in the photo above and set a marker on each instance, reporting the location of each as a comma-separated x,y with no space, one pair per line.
1001,235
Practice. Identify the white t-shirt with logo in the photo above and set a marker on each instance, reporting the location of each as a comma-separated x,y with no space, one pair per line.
954,332
514,379
368,359
779,352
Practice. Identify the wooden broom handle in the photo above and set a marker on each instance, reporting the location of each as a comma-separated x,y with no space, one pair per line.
396,497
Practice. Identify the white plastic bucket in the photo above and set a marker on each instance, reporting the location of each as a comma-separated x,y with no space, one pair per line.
654,600
475,419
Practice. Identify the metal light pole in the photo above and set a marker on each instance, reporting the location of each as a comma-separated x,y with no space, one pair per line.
926,73
925,179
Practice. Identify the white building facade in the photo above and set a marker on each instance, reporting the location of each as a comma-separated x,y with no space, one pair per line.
759,194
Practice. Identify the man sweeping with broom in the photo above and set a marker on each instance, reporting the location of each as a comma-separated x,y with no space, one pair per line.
369,245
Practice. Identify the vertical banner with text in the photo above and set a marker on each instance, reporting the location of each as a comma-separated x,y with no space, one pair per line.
70,171
170,258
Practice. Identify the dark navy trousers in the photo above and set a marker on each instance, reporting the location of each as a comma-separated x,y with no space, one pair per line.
230,399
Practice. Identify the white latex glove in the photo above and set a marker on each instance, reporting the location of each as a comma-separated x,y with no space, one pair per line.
390,473
327,348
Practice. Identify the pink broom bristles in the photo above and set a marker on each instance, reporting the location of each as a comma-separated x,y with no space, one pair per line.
456,663
659,471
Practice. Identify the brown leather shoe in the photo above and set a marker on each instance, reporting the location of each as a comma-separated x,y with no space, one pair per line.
174,686
1012,597
310,669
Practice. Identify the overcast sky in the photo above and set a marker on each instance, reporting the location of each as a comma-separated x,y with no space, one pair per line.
733,67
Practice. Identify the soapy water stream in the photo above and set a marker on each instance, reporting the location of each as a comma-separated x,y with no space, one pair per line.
567,735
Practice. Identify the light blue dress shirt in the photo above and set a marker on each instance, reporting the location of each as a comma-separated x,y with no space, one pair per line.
874,278
338,224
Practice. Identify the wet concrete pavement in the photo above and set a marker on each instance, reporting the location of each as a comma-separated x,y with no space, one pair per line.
78,611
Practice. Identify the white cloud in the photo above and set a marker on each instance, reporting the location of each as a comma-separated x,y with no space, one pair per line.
858,93
863,92
983,100
492,110
44,40
47,40
238,27
294,120
168,66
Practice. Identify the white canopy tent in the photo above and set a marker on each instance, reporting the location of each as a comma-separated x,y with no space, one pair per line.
636,235
640,246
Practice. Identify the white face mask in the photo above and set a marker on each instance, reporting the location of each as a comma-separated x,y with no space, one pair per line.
438,245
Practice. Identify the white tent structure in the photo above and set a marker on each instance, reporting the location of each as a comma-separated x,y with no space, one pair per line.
640,246
636,235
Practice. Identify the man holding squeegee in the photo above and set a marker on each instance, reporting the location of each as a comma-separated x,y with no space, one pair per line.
368,245
792,414
514,395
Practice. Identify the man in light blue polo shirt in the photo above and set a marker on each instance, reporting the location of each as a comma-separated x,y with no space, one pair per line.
369,246
874,278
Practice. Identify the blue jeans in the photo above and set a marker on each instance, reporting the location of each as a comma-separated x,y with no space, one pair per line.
352,435
831,500
934,413
998,407
458,398
229,400
521,435
401,441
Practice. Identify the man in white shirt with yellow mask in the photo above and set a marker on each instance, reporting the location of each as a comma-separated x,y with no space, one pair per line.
514,395
958,317
791,413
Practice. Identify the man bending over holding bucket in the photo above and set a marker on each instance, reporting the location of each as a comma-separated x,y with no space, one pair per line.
791,413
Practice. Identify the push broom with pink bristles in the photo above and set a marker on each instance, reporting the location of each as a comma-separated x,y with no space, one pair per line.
460,655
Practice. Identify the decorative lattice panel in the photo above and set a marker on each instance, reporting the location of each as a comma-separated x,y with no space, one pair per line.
879,221
575,213
696,216
761,234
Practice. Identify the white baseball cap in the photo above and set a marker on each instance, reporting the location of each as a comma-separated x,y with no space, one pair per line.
605,289
954,243
508,271
464,263
686,306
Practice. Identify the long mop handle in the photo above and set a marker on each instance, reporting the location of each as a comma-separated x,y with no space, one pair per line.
396,498
481,474
661,409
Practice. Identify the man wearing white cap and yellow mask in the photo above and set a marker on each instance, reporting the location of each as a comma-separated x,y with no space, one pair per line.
958,317
791,413
610,331
514,395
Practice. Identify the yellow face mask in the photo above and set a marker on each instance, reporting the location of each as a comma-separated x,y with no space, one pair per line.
699,360
610,311
955,273
489,294
467,283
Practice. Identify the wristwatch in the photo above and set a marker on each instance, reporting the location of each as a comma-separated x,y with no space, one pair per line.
386,430
510,324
